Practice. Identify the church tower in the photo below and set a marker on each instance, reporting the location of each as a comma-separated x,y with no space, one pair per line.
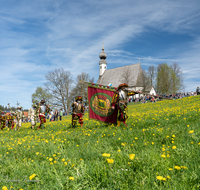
102,62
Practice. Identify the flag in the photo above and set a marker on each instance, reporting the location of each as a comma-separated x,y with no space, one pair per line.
100,99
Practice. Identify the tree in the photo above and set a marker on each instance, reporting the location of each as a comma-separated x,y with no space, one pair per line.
163,78
80,88
151,73
126,76
169,78
177,78
146,80
58,84
41,94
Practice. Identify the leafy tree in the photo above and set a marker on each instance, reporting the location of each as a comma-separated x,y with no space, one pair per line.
169,78
41,94
177,78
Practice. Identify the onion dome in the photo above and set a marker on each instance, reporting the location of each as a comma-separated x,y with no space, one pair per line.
102,55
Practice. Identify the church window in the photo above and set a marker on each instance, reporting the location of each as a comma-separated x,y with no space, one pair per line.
100,67
105,67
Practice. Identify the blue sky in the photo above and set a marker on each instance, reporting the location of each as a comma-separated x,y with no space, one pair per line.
42,35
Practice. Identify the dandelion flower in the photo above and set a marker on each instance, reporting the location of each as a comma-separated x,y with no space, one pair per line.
110,161
72,178
173,147
132,156
159,177
163,156
32,176
106,155
190,132
177,167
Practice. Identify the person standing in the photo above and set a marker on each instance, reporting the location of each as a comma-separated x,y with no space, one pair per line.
52,115
78,111
19,116
119,101
10,119
61,114
56,115
43,109
3,120
32,114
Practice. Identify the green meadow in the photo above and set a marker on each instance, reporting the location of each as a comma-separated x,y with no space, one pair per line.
160,149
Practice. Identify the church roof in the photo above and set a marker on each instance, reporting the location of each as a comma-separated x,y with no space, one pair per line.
114,76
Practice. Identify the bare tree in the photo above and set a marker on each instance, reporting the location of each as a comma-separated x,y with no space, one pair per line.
126,76
80,88
58,84
151,73
146,80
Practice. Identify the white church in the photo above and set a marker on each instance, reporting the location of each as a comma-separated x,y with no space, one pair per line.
115,76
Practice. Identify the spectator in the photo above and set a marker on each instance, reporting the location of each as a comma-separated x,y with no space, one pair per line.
61,114
56,115
52,115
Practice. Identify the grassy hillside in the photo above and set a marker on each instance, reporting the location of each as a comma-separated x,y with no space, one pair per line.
160,149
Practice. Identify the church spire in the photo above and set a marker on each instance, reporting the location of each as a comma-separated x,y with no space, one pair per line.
102,62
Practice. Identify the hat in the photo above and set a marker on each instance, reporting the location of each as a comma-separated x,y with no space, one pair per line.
78,98
122,85
19,107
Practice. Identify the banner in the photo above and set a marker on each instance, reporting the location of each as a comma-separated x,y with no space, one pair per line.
100,104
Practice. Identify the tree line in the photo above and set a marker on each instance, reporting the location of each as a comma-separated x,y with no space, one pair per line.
60,89
167,79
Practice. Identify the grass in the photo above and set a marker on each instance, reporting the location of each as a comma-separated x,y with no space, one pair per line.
158,150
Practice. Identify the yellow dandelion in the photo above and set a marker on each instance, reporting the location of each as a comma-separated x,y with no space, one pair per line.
132,156
110,161
50,159
163,156
190,132
173,147
32,176
159,177
106,155
72,178
177,167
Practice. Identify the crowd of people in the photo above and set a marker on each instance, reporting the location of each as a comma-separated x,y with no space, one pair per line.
155,98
